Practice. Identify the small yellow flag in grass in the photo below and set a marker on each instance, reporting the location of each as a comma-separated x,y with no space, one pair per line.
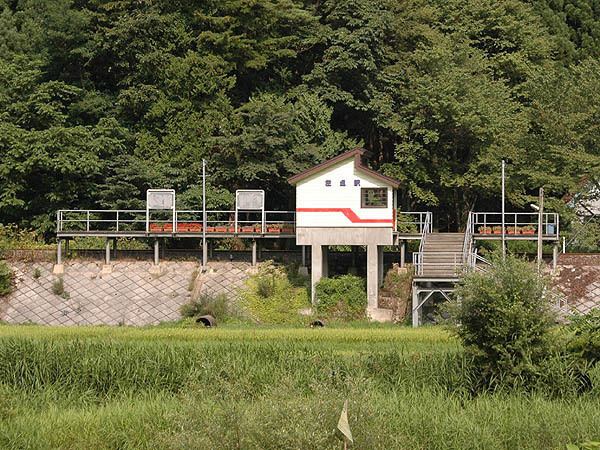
343,424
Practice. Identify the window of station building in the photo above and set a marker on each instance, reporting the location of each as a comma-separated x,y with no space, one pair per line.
373,197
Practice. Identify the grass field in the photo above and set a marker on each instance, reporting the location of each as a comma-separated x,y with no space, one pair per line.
261,388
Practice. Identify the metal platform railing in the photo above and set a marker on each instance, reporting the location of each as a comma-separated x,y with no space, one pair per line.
515,224
182,222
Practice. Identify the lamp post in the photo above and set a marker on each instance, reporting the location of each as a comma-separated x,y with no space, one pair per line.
540,210
503,202
204,249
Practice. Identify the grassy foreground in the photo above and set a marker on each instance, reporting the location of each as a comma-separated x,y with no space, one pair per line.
262,388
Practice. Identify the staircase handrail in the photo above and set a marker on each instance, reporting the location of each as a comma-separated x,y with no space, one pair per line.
478,258
467,256
424,231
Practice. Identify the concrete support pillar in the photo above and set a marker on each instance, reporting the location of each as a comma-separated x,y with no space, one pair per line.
415,306
316,271
253,252
58,268
205,254
107,252
59,252
554,257
402,253
380,273
325,261
303,263
372,276
156,252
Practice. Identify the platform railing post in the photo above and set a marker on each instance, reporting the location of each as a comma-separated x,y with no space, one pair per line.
87,227
415,306
156,252
59,251
107,252
402,253
204,253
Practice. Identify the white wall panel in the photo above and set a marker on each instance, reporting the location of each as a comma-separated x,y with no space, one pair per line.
314,193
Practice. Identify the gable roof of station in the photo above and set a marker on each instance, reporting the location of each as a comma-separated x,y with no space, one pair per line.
360,156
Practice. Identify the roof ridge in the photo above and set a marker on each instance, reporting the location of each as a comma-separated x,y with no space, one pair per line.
359,154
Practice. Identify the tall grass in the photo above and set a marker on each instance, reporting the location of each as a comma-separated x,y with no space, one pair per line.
264,388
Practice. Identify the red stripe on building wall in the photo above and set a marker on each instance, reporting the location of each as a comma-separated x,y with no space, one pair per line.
351,215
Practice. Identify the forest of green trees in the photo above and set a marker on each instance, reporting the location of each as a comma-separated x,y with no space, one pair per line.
100,100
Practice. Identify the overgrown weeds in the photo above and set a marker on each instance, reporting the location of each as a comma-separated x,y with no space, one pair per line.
270,297
505,322
343,297
6,279
58,286
217,306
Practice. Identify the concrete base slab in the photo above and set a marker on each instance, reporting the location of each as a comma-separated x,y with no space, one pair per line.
344,236
58,269
106,269
303,271
380,314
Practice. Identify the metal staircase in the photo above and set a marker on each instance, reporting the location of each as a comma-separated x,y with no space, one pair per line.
442,256
442,260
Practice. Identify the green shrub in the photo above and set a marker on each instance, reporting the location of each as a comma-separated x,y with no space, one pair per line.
58,287
270,297
216,306
585,342
13,237
95,242
505,319
6,279
341,297
265,285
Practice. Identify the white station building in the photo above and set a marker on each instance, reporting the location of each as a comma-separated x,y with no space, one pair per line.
343,202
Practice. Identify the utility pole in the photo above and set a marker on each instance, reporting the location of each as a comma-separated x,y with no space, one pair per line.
503,221
540,229
204,248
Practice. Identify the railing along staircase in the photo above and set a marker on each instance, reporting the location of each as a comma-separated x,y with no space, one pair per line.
447,255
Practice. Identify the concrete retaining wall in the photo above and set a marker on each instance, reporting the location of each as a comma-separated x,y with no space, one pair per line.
578,278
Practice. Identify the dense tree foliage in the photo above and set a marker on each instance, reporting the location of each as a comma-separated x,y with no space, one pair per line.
100,100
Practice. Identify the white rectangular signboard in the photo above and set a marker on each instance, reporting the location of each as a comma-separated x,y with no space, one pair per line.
250,200
160,199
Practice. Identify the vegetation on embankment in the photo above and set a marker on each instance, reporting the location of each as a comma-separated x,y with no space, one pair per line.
264,387
6,279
